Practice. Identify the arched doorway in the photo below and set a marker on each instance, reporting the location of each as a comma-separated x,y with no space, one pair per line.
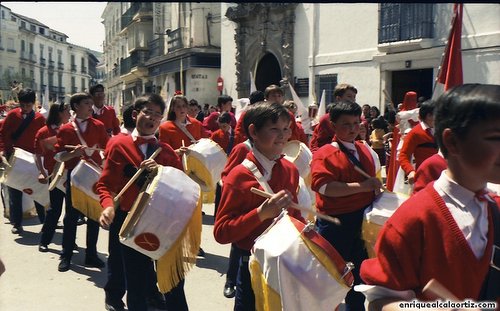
268,72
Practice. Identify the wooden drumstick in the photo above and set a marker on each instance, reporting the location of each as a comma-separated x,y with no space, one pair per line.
368,176
438,289
184,159
136,175
89,148
298,207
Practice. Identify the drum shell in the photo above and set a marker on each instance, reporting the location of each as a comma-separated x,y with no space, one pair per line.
206,160
375,217
22,174
299,154
287,262
84,197
161,213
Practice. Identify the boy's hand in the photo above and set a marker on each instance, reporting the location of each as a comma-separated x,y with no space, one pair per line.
273,206
372,184
149,165
42,178
78,151
107,216
411,178
182,150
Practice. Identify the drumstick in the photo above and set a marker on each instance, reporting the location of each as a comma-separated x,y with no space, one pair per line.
298,207
438,289
368,176
184,158
90,148
136,175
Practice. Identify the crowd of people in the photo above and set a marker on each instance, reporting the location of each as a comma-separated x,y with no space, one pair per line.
447,150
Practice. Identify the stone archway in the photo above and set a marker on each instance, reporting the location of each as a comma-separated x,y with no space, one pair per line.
268,72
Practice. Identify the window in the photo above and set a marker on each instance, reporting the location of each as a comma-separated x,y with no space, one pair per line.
83,84
32,48
327,83
23,46
23,24
59,56
41,77
33,28
405,21
23,72
59,79
41,31
41,50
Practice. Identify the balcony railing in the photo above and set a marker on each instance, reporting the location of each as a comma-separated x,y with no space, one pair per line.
53,89
136,59
84,69
156,47
136,7
73,67
42,61
74,89
24,55
175,40
405,21
51,64
60,66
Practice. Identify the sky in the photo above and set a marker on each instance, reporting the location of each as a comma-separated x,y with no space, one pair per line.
80,21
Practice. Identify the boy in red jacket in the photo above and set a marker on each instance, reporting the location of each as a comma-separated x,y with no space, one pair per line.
446,231
243,215
419,142
343,192
103,113
19,130
125,154
82,132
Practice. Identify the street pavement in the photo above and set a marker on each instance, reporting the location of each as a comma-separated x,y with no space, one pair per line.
32,283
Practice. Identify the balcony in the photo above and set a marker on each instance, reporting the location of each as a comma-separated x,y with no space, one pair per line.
60,66
73,67
136,8
156,47
42,62
53,89
175,40
405,22
84,69
136,59
74,89
24,55
51,64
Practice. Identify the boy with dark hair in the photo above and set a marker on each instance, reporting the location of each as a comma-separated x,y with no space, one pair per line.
342,191
103,113
449,230
83,132
243,215
224,104
323,132
18,130
419,142
125,154
128,122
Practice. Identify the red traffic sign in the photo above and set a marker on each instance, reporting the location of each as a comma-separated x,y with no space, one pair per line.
220,84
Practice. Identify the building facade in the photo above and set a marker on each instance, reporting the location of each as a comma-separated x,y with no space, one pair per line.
161,47
389,46
40,58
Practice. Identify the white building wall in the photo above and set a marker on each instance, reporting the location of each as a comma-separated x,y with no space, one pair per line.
202,85
228,50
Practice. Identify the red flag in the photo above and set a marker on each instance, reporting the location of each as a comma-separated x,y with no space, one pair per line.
450,74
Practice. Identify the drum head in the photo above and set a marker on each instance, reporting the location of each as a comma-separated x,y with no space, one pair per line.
57,174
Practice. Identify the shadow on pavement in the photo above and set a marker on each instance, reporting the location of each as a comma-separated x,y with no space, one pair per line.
214,262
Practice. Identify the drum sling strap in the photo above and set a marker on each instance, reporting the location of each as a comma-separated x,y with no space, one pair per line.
351,157
24,125
185,131
490,290
257,174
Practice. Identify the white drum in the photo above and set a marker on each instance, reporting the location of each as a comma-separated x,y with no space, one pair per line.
205,162
84,196
299,154
22,174
306,199
59,177
375,217
165,224
290,260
